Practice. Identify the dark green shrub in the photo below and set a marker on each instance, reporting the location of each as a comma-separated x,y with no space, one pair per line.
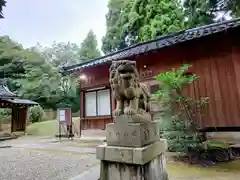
36,114
180,113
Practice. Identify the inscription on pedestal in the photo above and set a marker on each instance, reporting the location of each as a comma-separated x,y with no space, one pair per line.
131,134
146,134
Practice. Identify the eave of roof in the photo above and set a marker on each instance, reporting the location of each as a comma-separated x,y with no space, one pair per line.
161,42
10,97
20,101
4,91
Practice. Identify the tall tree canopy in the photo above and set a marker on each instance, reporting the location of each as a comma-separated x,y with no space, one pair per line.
143,20
198,13
201,12
60,53
133,21
113,41
34,76
232,6
89,47
2,4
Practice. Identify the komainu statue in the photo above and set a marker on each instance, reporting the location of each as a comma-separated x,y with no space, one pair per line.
132,96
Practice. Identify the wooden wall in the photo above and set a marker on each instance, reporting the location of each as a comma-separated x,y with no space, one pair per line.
215,59
96,122
95,77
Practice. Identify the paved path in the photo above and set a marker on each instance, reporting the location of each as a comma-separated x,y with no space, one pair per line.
91,174
29,158
31,164
58,147
38,159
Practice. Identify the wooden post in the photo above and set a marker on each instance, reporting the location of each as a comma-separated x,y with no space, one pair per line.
81,111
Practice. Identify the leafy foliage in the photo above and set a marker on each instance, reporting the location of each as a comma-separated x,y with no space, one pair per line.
36,114
144,20
232,6
113,41
198,12
140,20
201,12
2,4
60,54
180,112
89,49
33,75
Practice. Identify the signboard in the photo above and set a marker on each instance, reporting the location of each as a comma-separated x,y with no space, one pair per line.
64,116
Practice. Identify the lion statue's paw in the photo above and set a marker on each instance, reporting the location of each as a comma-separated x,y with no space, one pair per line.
129,111
118,112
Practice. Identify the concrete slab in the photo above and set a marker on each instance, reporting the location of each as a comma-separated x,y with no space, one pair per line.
91,174
131,155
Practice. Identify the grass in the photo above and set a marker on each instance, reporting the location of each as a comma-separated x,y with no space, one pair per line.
228,171
47,128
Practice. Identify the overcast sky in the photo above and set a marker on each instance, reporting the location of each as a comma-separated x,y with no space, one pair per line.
45,21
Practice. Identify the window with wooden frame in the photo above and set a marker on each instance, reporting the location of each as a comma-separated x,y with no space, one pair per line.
97,103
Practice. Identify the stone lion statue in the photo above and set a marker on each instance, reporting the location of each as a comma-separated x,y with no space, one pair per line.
132,96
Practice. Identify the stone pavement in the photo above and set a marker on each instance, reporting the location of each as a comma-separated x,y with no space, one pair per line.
91,174
34,158
58,147
86,146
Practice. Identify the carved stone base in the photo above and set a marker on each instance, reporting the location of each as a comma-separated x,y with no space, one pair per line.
131,134
125,163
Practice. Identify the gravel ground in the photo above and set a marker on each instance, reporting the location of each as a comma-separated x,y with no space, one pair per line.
28,164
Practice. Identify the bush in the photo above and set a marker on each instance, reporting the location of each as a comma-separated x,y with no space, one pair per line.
180,113
5,115
36,114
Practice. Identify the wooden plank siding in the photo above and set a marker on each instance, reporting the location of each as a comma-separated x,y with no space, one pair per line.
96,122
215,59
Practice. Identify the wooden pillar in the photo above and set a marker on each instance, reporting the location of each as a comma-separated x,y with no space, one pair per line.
19,117
14,119
82,111
23,119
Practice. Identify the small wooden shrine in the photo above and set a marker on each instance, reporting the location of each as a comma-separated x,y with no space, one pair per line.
19,107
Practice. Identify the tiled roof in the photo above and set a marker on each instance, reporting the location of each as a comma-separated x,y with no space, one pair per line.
20,101
161,42
4,91
8,96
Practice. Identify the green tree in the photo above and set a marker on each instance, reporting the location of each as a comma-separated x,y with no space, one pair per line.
2,4
89,49
60,53
41,81
45,84
12,61
113,41
141,20
199,12
232,6
34,73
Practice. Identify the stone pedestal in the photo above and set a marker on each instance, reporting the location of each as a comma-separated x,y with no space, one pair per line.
131,134
133,152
